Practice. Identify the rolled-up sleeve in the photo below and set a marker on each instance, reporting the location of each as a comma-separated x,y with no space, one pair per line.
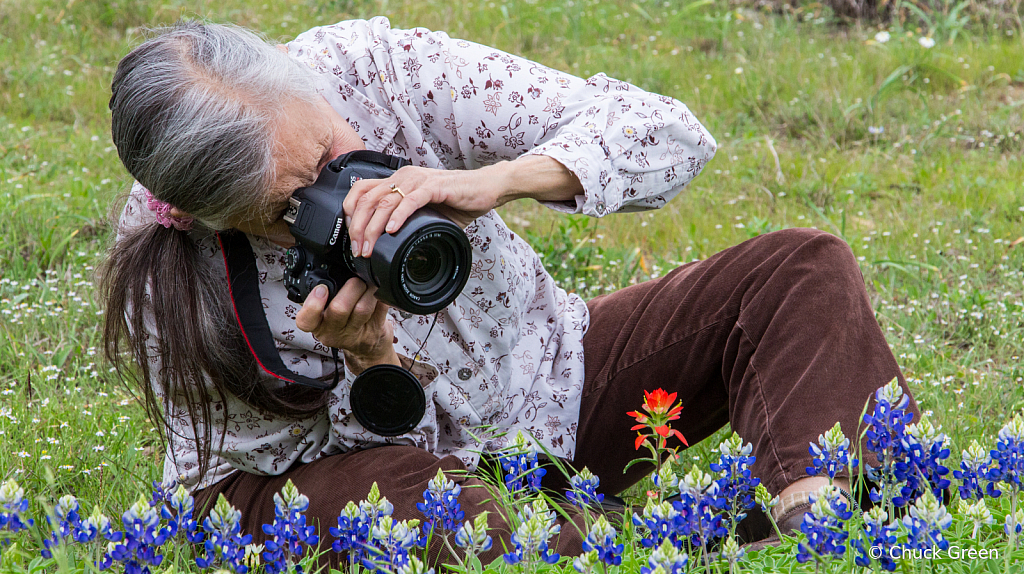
632,150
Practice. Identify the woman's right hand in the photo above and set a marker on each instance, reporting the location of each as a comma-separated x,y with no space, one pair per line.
354,321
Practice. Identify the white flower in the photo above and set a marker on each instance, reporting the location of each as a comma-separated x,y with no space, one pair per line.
738,71
926,42
882,37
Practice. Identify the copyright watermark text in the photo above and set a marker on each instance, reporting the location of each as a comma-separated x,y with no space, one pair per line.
953,552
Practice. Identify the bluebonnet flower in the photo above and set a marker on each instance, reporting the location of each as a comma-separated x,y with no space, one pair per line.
1007,458
824,525
64,521
179,516
583,489
879,536
922,469
732,552
143,537
601,538
414,566
978,513
12,505
289,532
536,527
925,523
885,433
352,533
472,535
587,563
974,466
831,454
391,541
521,464
162,492
764,499
735,493
97,524
667,558
663,520
225,544
1013,524
698,505
440,504
665,479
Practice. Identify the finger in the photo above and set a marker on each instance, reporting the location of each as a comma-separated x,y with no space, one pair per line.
357,190
364,310
311,314
383,214
364,209
339,312
406,208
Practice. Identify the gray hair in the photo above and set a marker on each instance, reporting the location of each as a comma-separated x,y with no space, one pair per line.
195,112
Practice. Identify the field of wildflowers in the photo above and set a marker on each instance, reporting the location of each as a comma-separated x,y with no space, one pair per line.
903,138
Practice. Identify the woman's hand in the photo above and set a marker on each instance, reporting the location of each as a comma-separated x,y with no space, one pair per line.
354,321
374,207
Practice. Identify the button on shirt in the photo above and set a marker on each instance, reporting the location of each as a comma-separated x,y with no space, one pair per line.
507,355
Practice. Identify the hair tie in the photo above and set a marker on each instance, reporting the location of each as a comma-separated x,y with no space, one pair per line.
162,209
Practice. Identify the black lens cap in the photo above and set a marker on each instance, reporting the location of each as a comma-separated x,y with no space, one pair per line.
388,400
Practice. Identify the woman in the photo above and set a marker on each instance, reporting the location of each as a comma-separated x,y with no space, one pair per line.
775,336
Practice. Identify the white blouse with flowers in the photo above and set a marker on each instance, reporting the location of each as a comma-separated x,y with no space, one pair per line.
507,355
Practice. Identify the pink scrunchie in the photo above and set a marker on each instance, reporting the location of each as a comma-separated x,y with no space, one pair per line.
162,209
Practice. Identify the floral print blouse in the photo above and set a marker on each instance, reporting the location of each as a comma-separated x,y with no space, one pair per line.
507,355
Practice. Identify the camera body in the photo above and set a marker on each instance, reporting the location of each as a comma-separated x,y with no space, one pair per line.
421,268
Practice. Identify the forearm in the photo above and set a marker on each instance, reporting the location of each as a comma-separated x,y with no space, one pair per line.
359,363
535,177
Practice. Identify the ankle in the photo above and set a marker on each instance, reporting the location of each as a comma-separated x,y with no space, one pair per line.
799,493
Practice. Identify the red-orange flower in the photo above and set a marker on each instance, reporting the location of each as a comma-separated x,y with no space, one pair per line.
659,408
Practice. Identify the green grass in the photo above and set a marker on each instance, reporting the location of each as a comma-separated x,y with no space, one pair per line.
933,206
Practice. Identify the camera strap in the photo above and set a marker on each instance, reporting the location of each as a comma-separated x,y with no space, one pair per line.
244,288
392,162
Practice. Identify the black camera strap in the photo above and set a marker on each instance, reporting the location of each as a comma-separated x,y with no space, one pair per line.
392,162
244,287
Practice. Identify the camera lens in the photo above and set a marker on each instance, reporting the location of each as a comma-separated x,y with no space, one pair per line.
428,267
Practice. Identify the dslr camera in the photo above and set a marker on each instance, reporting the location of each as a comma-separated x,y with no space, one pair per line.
421,268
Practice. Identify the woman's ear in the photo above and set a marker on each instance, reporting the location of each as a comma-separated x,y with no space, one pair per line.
175,212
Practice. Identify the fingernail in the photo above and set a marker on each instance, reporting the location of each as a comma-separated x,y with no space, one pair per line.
391,226
366,249
320,291
355,249
348,221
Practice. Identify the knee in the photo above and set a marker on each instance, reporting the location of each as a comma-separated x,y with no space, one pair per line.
819,250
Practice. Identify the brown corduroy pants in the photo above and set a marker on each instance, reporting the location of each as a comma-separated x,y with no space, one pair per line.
774,336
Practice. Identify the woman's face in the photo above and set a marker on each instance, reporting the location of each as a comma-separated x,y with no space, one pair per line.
307,139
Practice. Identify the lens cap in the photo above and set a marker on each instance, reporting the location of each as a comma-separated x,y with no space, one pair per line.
388,400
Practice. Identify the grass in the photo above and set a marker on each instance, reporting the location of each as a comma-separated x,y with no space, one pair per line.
932,205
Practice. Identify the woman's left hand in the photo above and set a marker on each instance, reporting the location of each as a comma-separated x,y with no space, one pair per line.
375,207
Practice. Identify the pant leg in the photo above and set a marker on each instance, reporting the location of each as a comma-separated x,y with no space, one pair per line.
775,336
401,474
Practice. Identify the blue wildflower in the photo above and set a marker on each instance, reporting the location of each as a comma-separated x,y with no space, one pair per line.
536,527
583,489
224,544
735,493
63,523
13,505
162,492
179,516
521,464
1013,524
414,566
824,525
601,538
667,558
391,541
472,536
289,532
441,504
831,454
978,513
878,537
143,537
974,466
352,533
925,523
885,433
923,468
698,505
1007,458
97,524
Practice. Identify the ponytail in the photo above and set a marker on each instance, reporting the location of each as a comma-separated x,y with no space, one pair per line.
167,308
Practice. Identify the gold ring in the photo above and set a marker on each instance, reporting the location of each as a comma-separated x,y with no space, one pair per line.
399,191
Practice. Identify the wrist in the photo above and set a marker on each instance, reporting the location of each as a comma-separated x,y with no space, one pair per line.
536,177
359,362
